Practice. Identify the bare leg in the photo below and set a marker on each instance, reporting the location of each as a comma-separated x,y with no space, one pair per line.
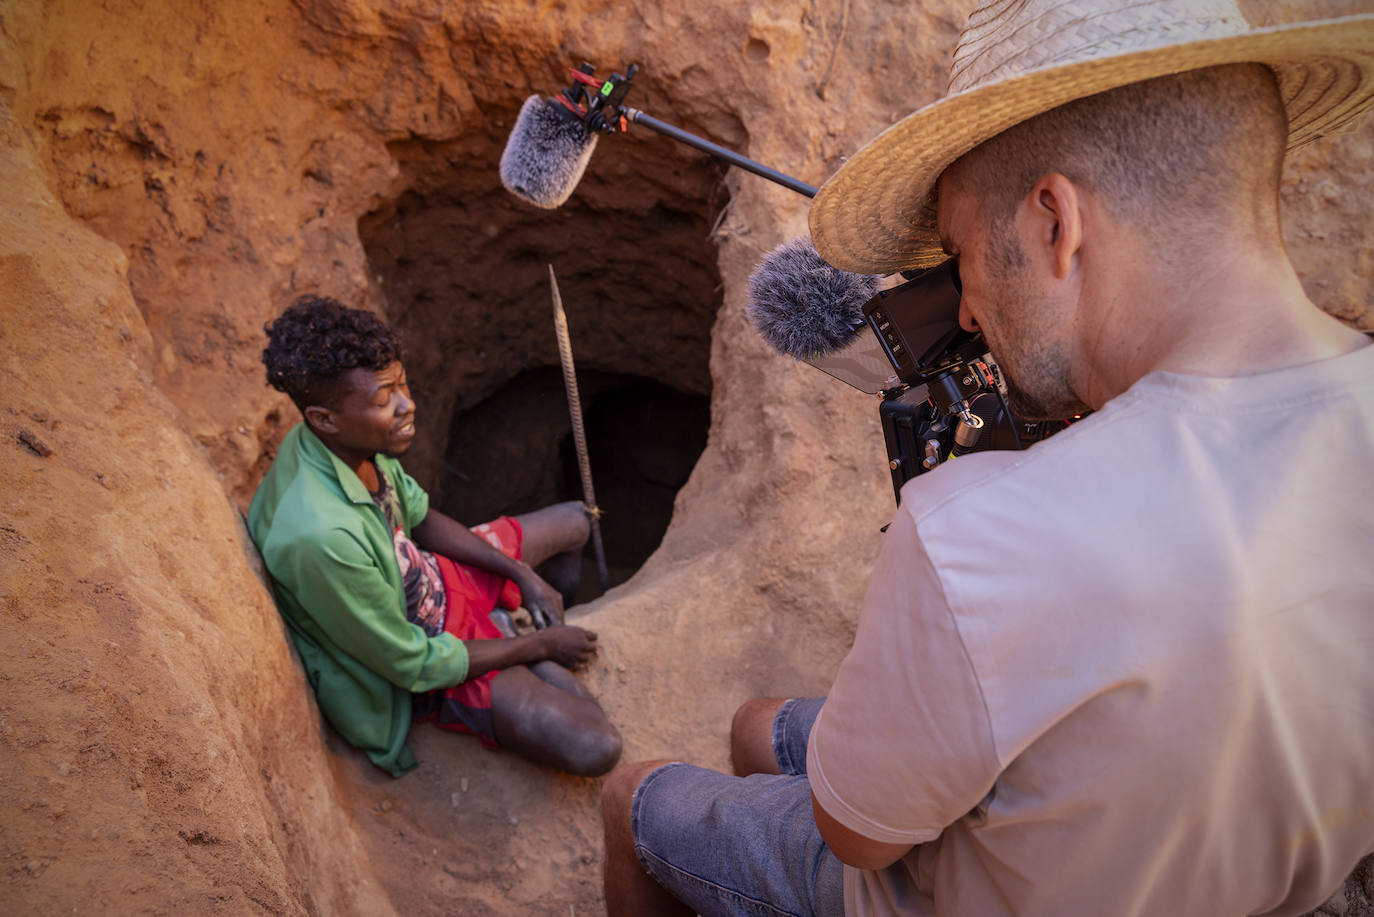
553,541
552,726
630,891
553,673
751,737
547,670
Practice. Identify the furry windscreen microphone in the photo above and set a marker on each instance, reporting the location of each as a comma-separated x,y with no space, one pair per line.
546,154
801,305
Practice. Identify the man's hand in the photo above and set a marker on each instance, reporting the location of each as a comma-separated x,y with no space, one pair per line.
568,645
544,603
442,535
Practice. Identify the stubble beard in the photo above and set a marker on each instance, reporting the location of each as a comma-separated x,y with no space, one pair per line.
1040,393
1036,367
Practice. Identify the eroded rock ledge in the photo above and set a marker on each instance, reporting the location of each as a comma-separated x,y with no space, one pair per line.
175,172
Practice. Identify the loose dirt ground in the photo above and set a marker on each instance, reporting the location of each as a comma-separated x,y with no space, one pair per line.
174,172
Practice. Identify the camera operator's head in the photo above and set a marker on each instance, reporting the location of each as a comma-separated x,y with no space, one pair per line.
1168,167
1096,169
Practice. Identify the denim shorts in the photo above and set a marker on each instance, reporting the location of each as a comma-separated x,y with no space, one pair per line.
741,845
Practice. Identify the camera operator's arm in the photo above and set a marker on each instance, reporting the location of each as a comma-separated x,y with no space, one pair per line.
441,534
903,746
853,848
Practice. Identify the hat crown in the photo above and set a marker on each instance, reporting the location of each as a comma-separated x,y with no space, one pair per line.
1006,38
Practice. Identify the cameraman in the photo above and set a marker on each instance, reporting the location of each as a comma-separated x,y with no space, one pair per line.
1127,671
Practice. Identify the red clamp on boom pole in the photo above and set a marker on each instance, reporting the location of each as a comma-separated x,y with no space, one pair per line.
586,79
575,109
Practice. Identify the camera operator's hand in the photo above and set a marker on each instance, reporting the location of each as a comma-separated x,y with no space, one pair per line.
568,645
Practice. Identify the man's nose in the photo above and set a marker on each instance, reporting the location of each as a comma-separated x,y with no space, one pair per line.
966,319
404,405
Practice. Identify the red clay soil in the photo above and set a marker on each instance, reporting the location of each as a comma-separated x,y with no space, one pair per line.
175,171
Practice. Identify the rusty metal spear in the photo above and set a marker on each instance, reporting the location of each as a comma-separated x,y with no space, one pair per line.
565,356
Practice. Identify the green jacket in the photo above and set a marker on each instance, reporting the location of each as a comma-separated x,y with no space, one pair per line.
337,584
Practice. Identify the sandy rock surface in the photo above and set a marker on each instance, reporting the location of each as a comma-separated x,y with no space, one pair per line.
159,751
175,171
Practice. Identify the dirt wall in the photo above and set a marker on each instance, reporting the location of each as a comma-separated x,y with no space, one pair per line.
154,726
175,171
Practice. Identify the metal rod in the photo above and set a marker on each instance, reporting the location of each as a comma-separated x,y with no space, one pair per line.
565,356
638,117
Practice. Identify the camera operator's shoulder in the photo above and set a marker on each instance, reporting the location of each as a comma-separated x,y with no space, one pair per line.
954,481
1065,469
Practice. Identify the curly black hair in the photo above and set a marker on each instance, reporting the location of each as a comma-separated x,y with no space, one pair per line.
316,341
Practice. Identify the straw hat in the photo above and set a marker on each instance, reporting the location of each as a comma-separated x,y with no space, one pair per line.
1019,58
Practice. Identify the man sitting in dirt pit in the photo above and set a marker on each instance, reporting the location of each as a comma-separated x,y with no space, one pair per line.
1127,671
388,600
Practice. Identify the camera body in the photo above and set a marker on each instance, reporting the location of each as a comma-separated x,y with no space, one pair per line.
947,396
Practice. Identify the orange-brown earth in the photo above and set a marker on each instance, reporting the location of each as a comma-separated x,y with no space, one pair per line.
176,170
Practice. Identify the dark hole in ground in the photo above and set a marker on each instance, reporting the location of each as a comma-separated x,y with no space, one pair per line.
515,451
463,269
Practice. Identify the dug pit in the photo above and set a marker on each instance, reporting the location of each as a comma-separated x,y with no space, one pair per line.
464,269
176,171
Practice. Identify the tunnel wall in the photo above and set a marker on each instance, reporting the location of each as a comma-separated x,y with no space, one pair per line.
464,268
186,167
158,748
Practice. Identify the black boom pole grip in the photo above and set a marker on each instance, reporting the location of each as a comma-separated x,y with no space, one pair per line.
638,117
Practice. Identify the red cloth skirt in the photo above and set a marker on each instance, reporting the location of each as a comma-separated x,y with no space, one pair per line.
470,595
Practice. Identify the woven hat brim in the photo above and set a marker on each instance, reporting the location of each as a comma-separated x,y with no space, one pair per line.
875,215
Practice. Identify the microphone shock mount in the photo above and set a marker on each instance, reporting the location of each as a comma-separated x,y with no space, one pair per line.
600,105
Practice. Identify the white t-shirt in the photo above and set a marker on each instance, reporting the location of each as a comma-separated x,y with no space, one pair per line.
1129,671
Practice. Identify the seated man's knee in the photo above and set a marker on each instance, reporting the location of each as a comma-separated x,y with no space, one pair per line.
618,790
579,523
586,743
597,751
751,736
746,717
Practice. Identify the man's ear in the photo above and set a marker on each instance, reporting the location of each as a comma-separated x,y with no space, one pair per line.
1056,211
321,419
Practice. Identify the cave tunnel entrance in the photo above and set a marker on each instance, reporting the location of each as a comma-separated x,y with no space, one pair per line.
643,439
463,269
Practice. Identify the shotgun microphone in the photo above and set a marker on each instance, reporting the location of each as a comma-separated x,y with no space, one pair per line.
940,388
553,138
802,306
547,152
